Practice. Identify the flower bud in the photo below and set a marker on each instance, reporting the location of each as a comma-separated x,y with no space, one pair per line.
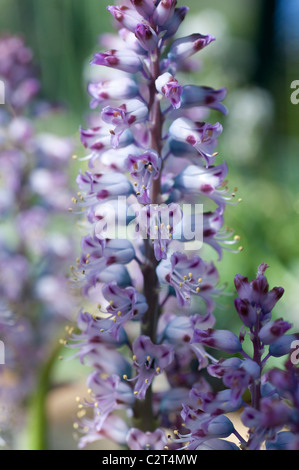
273,330
164,11
172,25
246,311
123,89
223,340
185,47
282,346
170,88
145,8
124,60
203,96
127,18
146,36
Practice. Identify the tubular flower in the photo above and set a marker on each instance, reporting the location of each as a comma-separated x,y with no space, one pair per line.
123,118
111,90
144,169
124,305
149,360
190,277
202,136
169,87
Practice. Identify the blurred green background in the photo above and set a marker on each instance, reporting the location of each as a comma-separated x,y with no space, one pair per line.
256,57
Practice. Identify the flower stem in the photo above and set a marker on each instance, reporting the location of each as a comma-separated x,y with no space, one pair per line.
257,357
37,419
144,412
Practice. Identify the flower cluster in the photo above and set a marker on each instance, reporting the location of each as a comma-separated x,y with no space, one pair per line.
34,251
149,292
266,398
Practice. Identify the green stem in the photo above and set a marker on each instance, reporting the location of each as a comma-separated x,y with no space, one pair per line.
37,416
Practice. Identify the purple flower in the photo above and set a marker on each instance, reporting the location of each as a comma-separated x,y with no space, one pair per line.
124,60
224,340
273,330
146,36
284,440
100,187
149,360
282,346
112,90
173,24
189,277
97,256
202,136
144,7
124,305
258,295
179,332
138,440
145,169
168,86
203,96
108,394
128,18
183,48
202,428
164,11
246,311
96,348
216,403
98,140
124,117
271,417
